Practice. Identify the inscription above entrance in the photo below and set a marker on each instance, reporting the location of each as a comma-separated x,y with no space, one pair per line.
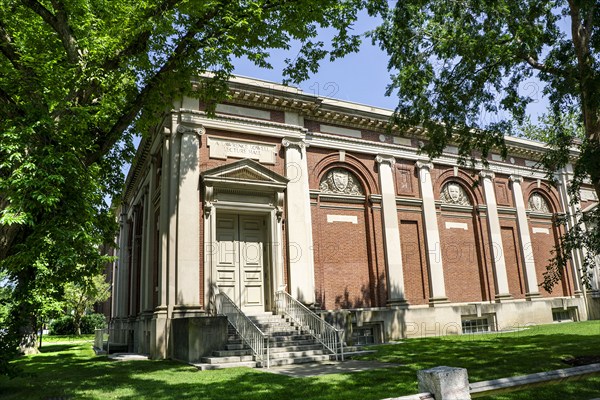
222,149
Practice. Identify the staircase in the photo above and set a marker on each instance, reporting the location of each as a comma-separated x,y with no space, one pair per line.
287,345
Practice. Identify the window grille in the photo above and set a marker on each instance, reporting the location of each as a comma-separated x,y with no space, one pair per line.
475,325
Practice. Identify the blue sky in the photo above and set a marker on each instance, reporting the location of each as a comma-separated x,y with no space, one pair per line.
359,77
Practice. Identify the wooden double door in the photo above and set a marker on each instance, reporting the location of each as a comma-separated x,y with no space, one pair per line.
242,258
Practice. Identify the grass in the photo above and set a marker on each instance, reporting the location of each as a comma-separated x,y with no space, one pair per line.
69,369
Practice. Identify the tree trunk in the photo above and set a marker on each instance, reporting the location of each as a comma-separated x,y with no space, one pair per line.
28,335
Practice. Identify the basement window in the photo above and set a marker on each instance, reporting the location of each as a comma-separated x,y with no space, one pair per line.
472,324
562,315
366,334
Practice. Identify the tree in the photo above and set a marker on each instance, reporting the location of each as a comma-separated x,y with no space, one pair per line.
80,297
460,69
79,78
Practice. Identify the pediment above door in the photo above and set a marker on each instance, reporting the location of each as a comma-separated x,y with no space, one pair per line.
246,173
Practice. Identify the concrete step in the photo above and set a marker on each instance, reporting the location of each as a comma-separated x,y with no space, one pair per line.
292,343
208,367
225,360
290,338
297,354
235,346
277,339
299,360
232,353
301,347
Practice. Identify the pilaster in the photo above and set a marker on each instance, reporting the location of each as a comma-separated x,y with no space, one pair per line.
495,236
299,223
122,281
163,267
577,256
531,284
432,235
188,219
391,231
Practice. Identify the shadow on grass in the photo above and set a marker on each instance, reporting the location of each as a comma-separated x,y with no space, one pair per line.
76,373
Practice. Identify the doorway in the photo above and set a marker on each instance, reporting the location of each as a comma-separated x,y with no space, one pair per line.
241,259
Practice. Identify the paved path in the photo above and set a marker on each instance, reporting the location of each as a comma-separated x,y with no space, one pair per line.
127,357
328,367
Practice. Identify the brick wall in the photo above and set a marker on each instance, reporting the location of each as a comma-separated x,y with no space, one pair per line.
414,262
343,277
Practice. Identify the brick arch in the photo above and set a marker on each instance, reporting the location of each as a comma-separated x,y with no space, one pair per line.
351,163
468,183
549,193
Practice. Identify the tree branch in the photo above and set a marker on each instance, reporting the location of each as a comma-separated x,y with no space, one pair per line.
543,67
186,44
139,41
8,50
59,24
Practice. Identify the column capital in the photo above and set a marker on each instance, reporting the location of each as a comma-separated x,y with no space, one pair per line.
294,142
185,129
487,174
516,179
424,164
385,159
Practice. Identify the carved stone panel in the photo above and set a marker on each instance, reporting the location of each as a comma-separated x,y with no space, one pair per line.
538,203
404,180
453,193
502,194
340,181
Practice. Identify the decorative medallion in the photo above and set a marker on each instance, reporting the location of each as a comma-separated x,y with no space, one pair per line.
453,193
340,181
538,203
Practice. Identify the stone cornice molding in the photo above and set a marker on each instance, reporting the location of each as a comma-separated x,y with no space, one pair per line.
294,142
420,164
486,174
385,159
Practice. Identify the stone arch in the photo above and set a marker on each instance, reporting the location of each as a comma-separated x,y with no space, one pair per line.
352,164
467,182
547,192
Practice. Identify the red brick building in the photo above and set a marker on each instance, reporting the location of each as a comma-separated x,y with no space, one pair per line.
289,191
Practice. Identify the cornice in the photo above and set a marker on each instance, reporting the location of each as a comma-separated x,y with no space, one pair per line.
269,95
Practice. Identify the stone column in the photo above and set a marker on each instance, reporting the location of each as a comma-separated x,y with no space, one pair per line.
159,333
391,231
299,224
146,271
577,256
121,278
495,236
135,242
164,222
432,235
188,220
527,260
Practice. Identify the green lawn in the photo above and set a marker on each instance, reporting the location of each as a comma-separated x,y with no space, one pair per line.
69,369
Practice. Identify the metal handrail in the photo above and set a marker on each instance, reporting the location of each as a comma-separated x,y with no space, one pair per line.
257,340
326,334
